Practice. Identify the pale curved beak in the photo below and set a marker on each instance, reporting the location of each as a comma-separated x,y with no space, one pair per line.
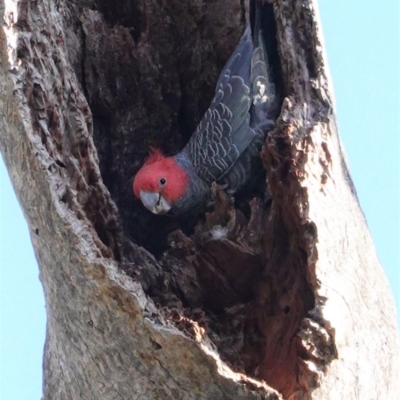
154,202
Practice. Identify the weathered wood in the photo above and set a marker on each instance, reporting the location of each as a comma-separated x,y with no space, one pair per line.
290,297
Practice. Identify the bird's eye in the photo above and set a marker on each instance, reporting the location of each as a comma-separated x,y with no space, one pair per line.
163,181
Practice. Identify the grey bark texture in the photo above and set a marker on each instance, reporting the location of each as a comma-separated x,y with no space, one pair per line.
292,303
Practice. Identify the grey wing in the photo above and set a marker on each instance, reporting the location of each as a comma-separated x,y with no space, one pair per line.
224,131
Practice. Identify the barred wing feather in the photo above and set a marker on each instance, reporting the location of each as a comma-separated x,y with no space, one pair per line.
224,132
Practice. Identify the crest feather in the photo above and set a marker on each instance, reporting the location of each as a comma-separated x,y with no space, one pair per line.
155,155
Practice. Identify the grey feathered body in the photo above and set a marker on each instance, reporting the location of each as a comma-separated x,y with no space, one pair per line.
226,144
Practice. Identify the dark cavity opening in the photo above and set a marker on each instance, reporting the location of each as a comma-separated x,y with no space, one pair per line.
247,290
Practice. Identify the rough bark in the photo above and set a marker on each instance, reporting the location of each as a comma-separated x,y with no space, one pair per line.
293,298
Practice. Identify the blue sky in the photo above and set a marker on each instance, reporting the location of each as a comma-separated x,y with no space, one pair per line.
362,42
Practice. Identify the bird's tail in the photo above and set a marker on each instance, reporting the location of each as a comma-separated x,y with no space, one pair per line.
262,23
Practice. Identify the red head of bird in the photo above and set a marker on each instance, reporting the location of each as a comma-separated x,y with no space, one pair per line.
160,182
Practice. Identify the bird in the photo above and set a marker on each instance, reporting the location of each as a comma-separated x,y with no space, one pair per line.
225,147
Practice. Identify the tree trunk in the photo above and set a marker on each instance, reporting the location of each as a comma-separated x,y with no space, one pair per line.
290,302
